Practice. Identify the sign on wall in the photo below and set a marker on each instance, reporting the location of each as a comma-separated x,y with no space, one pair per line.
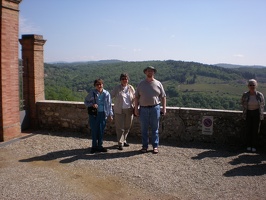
207,125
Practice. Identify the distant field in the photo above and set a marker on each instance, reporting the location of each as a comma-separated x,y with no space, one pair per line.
216,86
219,89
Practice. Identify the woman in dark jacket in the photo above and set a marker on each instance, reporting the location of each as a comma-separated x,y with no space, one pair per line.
253,107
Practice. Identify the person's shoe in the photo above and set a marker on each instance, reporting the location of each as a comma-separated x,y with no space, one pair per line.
93,150
126,144
144,150
155,150
253,149
102,149
249,149
120,147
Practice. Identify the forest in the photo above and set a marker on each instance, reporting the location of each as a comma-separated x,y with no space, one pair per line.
187,84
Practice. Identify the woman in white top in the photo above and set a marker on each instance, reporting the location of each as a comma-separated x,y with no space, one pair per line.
123,95
253,107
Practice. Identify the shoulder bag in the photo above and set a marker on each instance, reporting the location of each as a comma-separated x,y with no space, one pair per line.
91,109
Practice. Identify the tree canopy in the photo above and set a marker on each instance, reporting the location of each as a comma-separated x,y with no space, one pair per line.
187,84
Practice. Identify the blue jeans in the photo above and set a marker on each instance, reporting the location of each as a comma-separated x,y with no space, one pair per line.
149,118
97,125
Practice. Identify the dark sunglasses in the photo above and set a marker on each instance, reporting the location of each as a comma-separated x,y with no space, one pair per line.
252,85
124,79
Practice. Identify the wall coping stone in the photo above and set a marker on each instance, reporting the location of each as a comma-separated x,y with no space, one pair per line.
179,124
168,107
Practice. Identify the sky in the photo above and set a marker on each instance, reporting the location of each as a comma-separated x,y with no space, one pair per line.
204,31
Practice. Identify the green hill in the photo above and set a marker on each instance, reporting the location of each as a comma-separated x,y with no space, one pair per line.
238,66
187,84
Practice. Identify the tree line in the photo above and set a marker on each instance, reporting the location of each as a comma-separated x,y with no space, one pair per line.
72,81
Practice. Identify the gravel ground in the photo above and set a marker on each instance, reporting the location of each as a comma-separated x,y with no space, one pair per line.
47,165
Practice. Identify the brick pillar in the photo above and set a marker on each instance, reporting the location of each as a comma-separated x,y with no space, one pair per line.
33,74
9,70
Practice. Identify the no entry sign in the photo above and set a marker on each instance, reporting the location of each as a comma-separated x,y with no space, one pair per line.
207,125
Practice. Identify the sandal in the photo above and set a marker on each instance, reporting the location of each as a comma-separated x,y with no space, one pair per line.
143,150
155,150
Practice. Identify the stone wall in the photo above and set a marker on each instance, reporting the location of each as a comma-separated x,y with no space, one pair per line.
185,124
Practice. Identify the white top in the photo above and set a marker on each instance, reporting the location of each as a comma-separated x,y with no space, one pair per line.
126,98
253,103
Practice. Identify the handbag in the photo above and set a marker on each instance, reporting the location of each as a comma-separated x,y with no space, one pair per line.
91,110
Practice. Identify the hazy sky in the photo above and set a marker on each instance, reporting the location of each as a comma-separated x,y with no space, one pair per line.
205,31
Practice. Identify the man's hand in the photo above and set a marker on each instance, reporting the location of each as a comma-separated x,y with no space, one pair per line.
136,113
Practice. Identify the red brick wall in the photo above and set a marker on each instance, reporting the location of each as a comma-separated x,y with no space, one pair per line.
33,76
9,85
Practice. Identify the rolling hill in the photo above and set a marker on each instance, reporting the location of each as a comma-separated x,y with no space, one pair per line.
187,84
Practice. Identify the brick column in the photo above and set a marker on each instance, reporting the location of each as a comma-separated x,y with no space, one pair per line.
33,74
9,70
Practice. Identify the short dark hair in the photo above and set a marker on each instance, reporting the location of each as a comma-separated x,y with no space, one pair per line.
124,75
98,81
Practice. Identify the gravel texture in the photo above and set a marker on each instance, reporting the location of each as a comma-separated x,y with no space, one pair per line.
51,165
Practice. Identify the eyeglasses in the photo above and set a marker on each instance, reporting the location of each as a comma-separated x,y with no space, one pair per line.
124,79
98,84
252,85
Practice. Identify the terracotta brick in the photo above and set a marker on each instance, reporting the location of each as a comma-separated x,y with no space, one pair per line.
9,86
33,76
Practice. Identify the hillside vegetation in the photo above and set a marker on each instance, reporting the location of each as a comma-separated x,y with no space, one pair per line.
187,84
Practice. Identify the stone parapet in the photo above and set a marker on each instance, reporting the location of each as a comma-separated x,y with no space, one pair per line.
185,124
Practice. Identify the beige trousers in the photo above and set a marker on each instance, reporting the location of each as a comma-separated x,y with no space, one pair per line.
123,124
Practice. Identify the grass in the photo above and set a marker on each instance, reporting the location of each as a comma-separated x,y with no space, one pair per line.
233,88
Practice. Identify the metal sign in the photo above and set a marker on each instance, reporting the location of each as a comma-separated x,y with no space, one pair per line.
207,125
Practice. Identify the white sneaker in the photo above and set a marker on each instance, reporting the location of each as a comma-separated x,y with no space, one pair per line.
249,149
253,149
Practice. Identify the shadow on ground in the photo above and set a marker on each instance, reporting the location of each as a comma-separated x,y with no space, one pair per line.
77,154
246,164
